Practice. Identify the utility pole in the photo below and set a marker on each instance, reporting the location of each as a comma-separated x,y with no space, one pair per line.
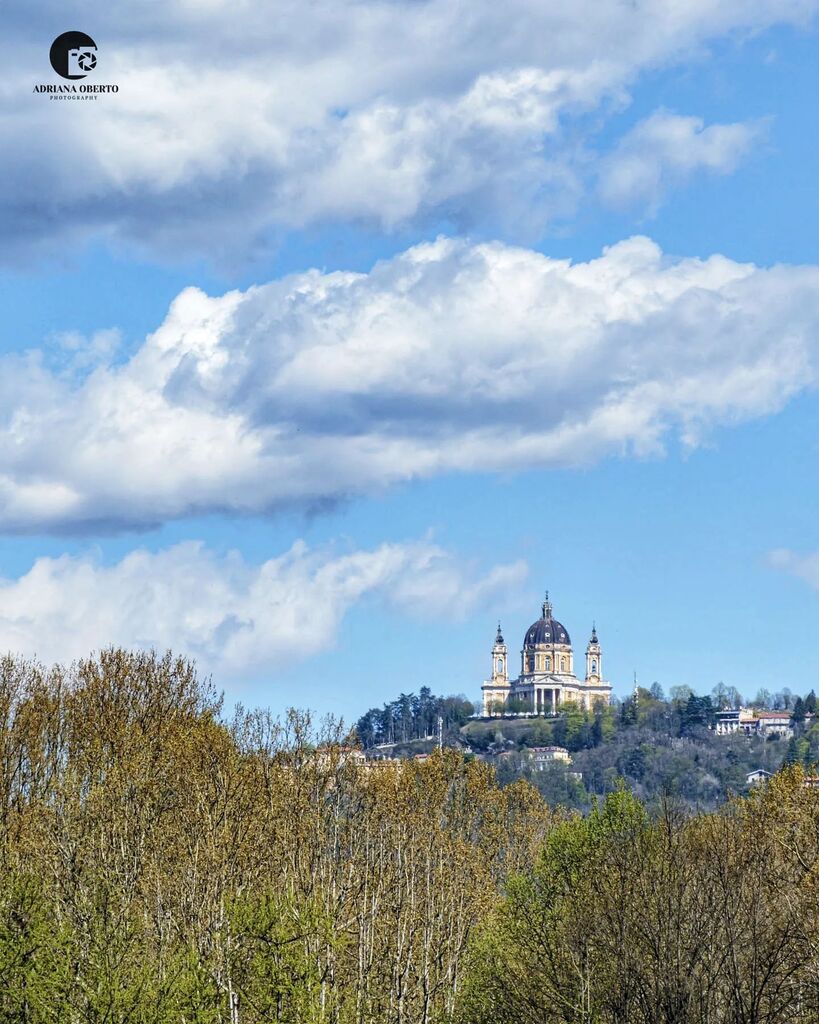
440,733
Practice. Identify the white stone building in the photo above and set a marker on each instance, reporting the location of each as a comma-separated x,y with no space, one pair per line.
542,756
753,723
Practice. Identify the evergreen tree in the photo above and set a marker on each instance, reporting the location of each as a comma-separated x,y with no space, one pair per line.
634,764
412,717
628,711
698,711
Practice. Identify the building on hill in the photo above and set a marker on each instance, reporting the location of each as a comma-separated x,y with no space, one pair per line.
757,777
733,720
547,678
774,722
541,756
753,723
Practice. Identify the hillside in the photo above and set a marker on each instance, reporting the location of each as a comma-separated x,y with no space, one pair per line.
659,747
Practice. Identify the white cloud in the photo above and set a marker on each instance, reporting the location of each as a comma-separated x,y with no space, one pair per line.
231,122
233,617
448,357
665,150
804,566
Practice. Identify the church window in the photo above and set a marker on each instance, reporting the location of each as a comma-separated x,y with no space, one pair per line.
548,663
500,666
594,665
562,664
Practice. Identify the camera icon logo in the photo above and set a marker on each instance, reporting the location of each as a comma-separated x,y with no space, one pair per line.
73,55
81,60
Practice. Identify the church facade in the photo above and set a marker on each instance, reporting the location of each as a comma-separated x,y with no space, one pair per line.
547,678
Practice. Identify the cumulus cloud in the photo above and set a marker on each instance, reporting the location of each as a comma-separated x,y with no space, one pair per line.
233,617
231,122
449,357
665,150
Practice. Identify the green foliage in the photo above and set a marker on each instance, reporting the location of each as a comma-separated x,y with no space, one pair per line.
670,920
660,748
530,962
412,717
160,865
274,966
500,734
517,705
555,781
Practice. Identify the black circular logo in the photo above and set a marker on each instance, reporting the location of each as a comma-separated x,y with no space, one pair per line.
73,55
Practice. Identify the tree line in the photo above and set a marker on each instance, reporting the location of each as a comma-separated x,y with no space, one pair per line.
674,919
412,717
161,861
724,697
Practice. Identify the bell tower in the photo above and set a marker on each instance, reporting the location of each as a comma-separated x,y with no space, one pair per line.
594,660
495,691
500,663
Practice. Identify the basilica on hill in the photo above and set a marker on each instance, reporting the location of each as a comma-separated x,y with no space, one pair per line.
547,677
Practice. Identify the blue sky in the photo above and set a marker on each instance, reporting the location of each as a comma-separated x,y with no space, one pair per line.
329,488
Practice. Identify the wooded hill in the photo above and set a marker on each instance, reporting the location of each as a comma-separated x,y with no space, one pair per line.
657,746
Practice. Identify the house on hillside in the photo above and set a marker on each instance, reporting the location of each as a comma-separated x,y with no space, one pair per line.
541,756
774,722
733,720
757,777
753,723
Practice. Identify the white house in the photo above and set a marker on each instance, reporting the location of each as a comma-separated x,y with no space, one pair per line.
541,756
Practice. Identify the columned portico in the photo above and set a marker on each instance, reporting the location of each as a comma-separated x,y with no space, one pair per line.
545,698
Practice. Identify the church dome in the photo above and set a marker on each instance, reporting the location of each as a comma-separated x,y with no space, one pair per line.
546,630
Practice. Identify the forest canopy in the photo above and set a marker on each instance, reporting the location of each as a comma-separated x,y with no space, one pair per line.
163,862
